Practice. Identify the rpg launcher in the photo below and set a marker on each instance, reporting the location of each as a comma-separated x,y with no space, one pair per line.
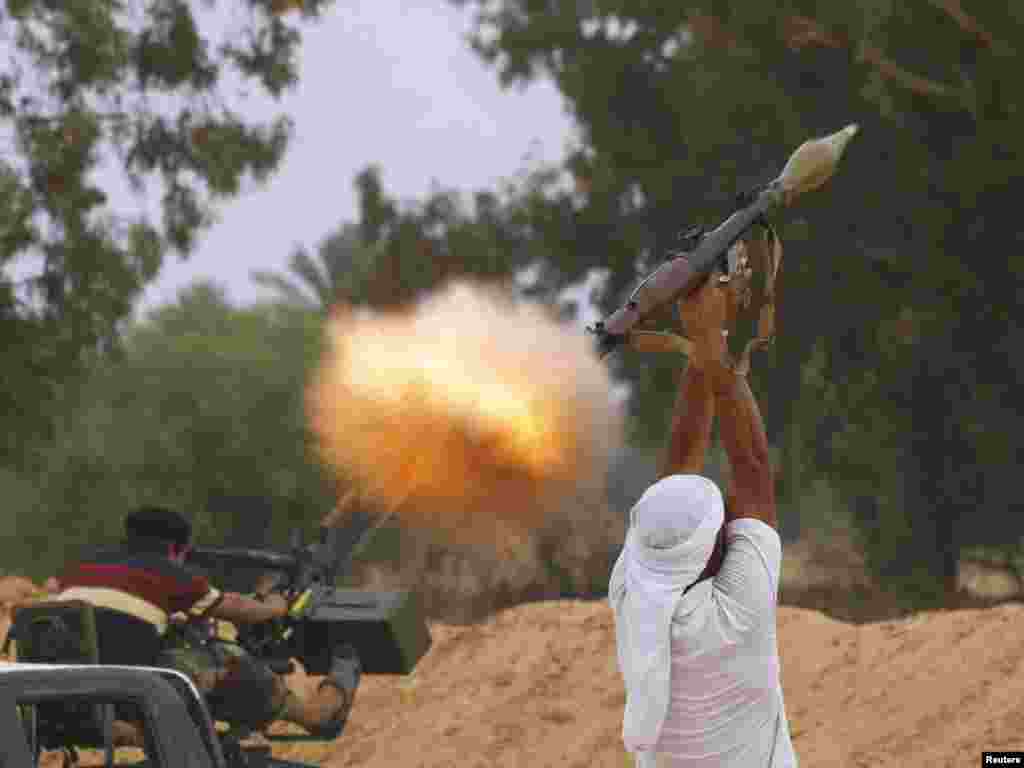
809,167
387,628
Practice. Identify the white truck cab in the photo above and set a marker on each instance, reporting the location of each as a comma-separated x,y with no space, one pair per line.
44,705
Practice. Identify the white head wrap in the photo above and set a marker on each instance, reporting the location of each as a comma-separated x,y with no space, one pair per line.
671,536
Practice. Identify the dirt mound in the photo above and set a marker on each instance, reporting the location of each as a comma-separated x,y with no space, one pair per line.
537,686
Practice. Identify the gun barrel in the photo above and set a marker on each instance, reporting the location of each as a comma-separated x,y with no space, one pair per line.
243,556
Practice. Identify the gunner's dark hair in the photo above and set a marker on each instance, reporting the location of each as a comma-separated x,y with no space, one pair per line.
158,525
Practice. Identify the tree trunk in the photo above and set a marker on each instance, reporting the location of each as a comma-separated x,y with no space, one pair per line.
949,553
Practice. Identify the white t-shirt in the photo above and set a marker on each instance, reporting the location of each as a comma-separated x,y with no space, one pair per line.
725,707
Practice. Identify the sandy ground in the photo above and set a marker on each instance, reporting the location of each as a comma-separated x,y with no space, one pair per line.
538,686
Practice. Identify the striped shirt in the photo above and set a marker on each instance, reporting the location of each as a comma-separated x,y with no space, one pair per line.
145,585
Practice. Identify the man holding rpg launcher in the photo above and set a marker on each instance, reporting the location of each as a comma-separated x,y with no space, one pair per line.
695,588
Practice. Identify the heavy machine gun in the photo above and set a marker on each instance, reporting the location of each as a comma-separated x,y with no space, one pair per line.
386,628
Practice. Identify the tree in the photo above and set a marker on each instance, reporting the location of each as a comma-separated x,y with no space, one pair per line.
207,403
340,271
936,398
393,255
912,330
142,84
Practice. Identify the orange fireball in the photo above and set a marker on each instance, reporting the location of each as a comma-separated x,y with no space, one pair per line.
470,412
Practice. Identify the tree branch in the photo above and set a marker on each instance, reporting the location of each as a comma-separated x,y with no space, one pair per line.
61,118
965,21
712,32
801,32
892,71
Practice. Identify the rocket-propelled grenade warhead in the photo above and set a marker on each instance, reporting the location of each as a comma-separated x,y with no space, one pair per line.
814,162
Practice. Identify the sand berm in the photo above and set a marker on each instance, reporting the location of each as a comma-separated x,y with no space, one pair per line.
536,685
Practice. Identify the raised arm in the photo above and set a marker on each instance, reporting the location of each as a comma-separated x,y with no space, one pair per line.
751,490
691,424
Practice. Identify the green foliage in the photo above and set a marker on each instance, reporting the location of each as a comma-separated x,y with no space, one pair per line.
339,272
893,373
206,401
392,256
91,81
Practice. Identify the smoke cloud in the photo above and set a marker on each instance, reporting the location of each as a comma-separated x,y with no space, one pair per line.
475,413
